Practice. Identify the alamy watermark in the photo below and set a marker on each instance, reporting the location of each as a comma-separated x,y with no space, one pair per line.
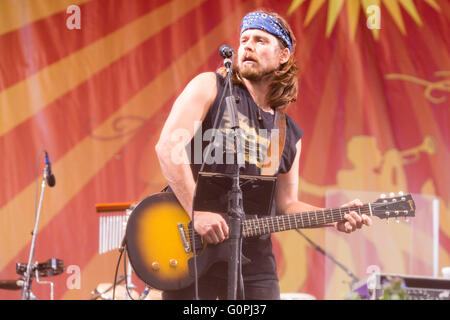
74,20
373,17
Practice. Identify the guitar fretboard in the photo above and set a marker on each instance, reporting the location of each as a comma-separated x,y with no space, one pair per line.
260,226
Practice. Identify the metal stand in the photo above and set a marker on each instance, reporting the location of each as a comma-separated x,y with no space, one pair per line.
26,291
235,203
329,256
129,270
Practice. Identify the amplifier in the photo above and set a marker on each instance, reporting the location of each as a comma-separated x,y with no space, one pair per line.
417,287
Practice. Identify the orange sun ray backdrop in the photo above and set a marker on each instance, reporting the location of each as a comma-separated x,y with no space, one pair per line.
374,103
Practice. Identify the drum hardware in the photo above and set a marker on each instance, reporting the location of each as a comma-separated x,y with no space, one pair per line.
52,267
102,293
112,233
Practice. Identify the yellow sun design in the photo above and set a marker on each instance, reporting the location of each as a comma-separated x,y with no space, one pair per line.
353,10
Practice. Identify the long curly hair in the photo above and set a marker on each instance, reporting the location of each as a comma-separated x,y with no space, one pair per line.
283,88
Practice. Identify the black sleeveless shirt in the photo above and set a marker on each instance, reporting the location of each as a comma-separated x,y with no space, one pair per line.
255,128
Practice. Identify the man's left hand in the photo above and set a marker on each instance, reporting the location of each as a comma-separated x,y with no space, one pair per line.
353,220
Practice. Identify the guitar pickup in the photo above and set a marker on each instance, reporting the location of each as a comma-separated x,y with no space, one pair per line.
186,246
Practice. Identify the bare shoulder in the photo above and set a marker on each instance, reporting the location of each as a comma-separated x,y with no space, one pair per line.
204,84
192,104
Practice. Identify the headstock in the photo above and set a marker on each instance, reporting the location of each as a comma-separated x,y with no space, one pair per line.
394,206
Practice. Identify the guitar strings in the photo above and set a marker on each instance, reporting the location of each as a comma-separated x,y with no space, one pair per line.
257,227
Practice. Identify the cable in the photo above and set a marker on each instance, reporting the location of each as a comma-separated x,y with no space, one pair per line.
115,274
125,272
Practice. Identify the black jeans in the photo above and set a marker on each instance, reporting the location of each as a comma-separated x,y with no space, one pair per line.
211,288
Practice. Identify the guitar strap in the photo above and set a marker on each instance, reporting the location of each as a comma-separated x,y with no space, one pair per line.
271,166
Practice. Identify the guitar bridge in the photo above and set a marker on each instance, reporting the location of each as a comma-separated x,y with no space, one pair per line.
183,238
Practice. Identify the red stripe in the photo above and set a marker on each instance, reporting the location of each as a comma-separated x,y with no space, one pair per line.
79,111
25,51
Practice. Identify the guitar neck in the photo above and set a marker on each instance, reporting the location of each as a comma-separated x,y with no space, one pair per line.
261,226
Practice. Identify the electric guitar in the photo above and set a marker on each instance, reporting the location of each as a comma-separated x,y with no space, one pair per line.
160,237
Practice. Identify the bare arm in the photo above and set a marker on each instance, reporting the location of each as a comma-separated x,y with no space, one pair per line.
188,111
184,119
287,189
288,203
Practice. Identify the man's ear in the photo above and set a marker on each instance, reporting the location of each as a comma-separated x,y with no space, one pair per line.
285,54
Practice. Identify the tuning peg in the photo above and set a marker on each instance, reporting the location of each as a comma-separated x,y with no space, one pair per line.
397,220
400,193
406,219
391,194
382,196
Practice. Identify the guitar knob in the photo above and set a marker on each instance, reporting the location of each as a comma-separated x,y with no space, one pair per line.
155,266
173,263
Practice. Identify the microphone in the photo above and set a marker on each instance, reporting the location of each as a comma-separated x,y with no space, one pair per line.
226,51
11,284
48,174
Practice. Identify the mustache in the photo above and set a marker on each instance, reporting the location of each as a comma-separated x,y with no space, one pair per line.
249,58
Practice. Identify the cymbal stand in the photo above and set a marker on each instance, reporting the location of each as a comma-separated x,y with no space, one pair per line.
45,282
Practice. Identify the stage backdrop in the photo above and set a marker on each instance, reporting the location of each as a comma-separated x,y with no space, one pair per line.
92,82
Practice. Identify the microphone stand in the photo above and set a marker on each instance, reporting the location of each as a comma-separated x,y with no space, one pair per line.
329,256
235,202
26,291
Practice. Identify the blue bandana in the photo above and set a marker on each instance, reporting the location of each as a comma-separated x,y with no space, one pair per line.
262,21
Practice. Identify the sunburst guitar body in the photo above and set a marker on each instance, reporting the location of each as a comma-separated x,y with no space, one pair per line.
157,240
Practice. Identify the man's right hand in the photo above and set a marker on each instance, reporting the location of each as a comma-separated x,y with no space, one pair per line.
211,226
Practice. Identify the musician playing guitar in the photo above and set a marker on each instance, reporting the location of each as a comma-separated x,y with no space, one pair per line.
265,83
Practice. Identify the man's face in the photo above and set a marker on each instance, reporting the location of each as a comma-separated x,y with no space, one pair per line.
259,54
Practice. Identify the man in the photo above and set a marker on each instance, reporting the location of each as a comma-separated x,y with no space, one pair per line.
265,78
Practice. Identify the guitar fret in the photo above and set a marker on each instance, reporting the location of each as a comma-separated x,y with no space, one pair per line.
327,217
265,225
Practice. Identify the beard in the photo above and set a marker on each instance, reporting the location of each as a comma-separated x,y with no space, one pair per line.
252,72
